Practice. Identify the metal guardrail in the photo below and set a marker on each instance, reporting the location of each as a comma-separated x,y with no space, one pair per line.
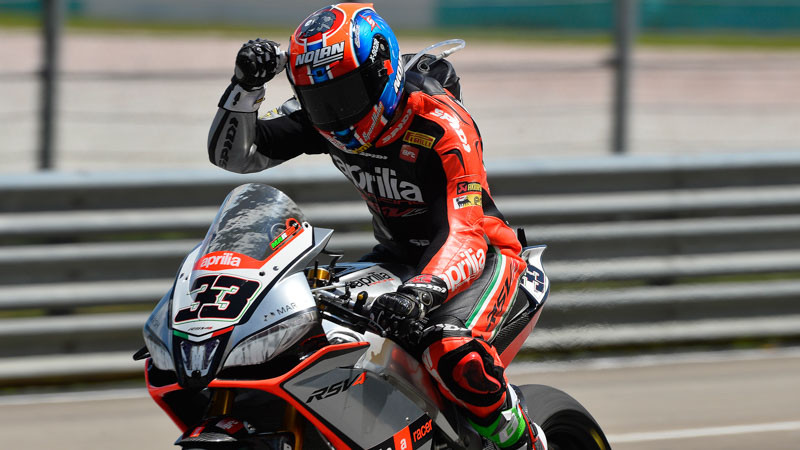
641,251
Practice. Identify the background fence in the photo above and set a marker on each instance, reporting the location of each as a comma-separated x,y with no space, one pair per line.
149,97
690,239
641,251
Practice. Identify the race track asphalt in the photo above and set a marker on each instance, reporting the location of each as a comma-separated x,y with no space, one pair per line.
710,401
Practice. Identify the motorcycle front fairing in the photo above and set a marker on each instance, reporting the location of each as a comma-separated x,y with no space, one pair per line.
240,297
239,302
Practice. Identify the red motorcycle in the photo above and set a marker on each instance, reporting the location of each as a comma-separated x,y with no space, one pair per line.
259,346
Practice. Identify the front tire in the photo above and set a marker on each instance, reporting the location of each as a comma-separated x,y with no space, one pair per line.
566,423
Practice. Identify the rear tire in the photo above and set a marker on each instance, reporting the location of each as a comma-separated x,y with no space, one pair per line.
566,423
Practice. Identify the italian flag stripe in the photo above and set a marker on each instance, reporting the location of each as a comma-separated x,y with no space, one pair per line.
480,308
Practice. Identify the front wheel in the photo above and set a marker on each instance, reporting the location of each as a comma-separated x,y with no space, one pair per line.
566,423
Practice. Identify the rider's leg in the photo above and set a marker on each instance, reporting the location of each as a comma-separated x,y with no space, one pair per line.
469,373
468,370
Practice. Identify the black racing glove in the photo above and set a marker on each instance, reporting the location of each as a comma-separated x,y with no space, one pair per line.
397,311
258,62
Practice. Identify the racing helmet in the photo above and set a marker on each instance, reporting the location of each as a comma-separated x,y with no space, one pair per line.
346,72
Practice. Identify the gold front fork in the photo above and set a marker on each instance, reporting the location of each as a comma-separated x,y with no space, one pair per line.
293,422
221,403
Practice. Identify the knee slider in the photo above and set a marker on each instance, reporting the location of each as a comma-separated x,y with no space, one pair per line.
472,374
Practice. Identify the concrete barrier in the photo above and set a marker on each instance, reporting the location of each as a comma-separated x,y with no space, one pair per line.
677,251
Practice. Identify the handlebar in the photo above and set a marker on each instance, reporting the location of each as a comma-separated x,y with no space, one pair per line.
355,314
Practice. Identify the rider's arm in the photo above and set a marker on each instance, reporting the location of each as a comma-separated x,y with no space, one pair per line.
458,252
240,142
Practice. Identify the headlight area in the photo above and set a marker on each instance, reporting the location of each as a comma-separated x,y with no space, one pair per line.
270,342
161,357
197,357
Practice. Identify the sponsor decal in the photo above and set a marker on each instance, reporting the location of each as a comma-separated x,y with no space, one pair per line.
370,279
337,388
370,21
357,34
230,135
417,138
422,431
470,266
382,183
283,237
402,440
373,53
324,22
321,56
414,436
219,260
426,282
464,187
535,277
271,114
398,79
391,211
377,117
291,307
359,150
373,155
500,305
456,125
464,201
231,425
409,153
400,125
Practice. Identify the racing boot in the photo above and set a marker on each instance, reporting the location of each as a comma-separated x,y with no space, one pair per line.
511,429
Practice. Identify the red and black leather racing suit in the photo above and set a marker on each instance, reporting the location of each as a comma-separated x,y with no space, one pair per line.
425,184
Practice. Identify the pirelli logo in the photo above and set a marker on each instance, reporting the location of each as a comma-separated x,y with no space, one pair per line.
415,138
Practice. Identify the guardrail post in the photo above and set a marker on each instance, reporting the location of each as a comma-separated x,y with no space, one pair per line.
52,16
624,32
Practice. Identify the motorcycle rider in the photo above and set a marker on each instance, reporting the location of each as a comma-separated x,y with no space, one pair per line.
416,157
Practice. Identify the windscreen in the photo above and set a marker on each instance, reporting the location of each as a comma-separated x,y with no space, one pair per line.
252,221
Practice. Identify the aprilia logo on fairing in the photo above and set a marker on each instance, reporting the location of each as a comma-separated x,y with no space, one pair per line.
321,56
382,183
225,259
471,265
336,388
370,279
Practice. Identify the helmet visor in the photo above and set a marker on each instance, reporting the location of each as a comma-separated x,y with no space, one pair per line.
339,103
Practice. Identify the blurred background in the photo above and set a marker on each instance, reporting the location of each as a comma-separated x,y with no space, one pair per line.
653,145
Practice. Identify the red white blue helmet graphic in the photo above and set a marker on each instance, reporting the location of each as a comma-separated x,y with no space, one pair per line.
346,71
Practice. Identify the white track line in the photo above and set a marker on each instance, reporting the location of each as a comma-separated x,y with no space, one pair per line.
605,363
74,397
703,432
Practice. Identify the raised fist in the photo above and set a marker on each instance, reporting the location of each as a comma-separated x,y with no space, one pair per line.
258,62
